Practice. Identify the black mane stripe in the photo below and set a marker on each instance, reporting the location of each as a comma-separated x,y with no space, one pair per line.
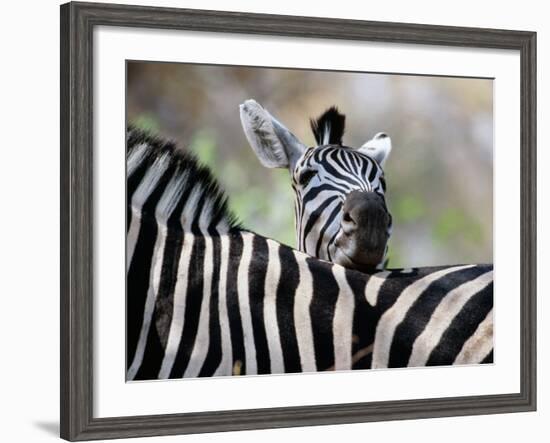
188,177
328,129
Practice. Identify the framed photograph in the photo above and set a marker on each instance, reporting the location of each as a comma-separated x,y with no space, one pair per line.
272,221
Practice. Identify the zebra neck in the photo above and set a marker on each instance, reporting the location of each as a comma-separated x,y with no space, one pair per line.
169,187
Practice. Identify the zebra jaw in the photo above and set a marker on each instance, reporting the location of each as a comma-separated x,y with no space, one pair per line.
341,258
359,257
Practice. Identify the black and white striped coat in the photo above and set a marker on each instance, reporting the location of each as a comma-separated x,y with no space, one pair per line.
206,297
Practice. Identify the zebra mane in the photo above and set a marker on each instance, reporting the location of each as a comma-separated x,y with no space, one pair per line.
328,129
190,194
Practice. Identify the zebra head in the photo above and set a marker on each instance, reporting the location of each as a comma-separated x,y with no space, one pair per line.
340,208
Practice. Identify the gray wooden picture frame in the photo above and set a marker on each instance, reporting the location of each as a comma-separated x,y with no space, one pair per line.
77,24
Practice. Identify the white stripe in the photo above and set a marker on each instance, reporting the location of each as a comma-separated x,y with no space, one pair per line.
343,321
370,165
442,317
222,227
326,134
395,315
273,274
226,364
302,318
480,343
373,286
244,305
135,158
152,292
140,196
170,197
189,211
178,310
337,181
313,235
202,340
330,230
132,236
339,165
150,180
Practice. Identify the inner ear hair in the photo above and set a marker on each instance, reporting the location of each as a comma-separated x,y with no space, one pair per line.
261,135
274,145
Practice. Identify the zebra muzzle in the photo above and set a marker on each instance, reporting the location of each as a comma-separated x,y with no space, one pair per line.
361,243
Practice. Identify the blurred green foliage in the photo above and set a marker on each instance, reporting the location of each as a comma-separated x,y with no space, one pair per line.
408,208
439,175
453,222
147,122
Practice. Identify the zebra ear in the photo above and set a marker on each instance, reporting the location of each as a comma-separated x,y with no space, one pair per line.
274,145
378,147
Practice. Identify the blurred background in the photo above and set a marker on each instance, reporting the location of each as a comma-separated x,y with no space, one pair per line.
439,175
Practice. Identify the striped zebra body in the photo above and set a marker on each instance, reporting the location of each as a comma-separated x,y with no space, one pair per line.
208,298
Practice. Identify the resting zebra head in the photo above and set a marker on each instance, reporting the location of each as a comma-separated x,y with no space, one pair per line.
340,208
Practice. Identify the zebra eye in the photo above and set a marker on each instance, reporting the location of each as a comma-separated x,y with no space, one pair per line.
306,176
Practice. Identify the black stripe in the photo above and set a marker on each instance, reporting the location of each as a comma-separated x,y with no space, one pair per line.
233,312
286,289
321,309
334,172
356,164
364,362
164,304
343,187
320,154
297,203
152,356
394,284
256,286
462,327
195,229
365,167
160,323
330,242
328,222
488,358
397,281
137,283
217,216
314,216
214,354
193,301
132,182
364,316
169,274
134,179
314,192
373,172
347,185
344,160
421,311
137,280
